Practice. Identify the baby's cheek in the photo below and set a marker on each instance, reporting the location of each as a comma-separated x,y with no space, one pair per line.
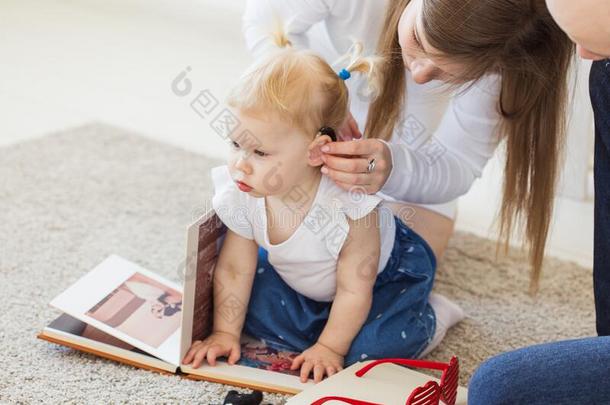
271,176
231,160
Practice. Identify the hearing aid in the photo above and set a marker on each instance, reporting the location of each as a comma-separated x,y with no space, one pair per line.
328,131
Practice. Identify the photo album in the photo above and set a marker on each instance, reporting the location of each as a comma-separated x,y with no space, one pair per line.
124,312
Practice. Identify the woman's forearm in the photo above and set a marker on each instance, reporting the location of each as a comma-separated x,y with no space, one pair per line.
436,162
430,176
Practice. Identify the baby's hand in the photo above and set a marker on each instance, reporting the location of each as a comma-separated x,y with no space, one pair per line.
321,359
216,345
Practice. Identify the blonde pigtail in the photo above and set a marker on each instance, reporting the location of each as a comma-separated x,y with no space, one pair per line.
278,34
370,66
279,37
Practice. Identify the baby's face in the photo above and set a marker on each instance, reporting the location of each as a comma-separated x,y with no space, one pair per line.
267,156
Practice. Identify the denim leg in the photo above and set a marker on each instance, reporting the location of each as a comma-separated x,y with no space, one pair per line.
283,318
567,372
401,323
600,97
399,334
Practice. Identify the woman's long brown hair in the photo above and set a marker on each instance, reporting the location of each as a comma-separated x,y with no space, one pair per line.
518,40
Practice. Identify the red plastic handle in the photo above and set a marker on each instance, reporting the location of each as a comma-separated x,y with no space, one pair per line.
343,399
404,362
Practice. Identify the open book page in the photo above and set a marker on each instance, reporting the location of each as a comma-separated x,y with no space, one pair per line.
129,303
260,366
71,332
387,384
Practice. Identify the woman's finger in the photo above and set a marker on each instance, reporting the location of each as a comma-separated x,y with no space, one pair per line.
355,179
354,127
345,134
350,165
363,147
349,131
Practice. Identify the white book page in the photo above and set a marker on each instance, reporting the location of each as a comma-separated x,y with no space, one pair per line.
250,376
130,303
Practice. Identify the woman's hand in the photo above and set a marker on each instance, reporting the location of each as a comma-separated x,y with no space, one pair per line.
350,130
321,359
216,345
347,162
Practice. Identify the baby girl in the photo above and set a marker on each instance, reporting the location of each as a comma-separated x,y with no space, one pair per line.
331,274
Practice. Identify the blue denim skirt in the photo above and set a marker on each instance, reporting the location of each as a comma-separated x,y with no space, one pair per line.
401,322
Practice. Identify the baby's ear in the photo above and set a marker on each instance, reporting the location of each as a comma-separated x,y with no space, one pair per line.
315,154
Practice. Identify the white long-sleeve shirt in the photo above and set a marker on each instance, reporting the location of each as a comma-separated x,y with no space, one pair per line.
444,139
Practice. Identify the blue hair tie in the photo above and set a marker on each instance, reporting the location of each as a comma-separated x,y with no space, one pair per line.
345,74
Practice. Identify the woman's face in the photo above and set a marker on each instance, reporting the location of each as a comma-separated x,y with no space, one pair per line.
587,23
420,58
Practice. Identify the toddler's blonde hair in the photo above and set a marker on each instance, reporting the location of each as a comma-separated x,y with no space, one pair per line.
299,87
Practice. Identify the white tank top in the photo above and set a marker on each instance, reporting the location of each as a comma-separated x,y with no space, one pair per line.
307,260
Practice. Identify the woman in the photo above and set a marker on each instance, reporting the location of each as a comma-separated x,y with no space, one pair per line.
505,63
573,371
518,41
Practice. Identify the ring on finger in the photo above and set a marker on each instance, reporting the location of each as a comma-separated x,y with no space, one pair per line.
371,165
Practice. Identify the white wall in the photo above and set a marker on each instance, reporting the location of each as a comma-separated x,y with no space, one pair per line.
66,63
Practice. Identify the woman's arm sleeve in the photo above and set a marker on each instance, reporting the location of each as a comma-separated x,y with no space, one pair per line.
444,166
297,16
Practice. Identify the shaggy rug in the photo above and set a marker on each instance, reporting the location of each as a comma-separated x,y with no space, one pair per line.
70,199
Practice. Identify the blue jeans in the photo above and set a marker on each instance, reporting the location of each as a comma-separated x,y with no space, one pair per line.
574,371
401,322
599,84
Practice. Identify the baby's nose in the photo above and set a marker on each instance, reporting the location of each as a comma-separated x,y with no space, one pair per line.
243,166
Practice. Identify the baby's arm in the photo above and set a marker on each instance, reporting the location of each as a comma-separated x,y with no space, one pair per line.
356,275
233,278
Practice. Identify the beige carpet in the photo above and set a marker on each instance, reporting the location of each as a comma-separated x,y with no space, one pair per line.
68,200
